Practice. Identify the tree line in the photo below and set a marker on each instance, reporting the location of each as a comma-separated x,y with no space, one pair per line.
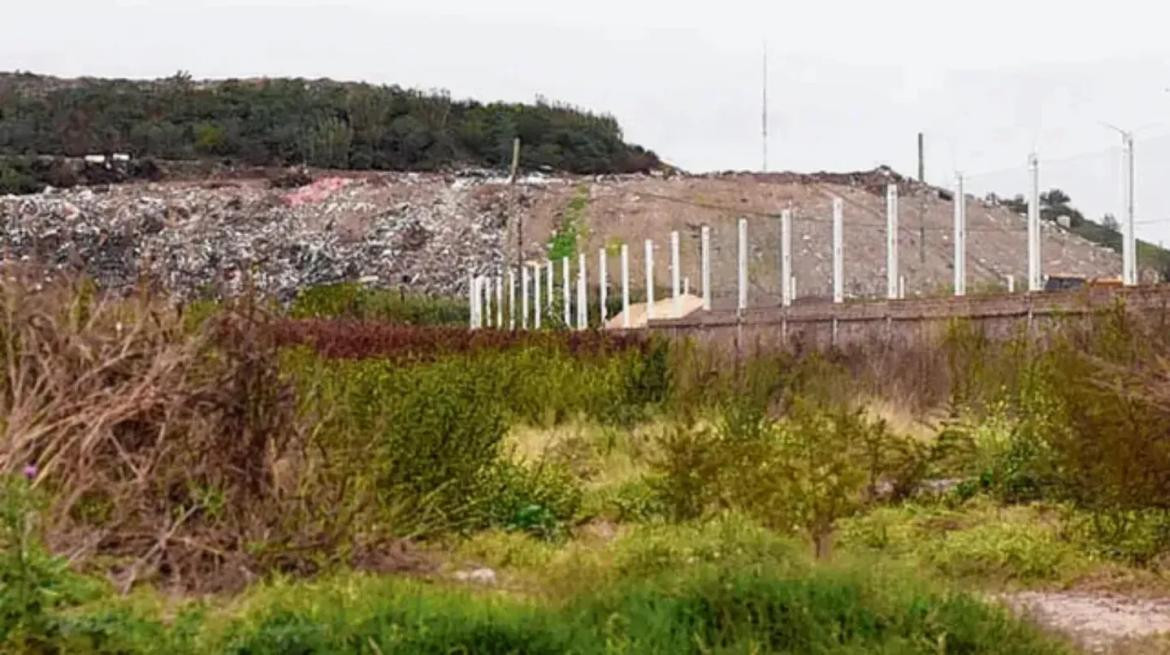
321,123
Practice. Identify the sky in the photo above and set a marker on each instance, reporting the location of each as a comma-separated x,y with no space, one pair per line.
850,82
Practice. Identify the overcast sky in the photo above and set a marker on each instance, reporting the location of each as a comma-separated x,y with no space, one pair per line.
850,82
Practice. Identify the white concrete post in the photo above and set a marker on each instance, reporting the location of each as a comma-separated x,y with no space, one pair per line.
1034,265
960,237
649,280
675,276
892,241
486,288
582,297
626,286
1011,282
1129,272
785,257
792,287
602,281
472,301
511,298
523,296
901,287
549,265
536,296
568,303
686,286
705,274
499,302
742,301
838,250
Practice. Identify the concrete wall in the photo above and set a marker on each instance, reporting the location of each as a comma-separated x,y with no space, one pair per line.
906,323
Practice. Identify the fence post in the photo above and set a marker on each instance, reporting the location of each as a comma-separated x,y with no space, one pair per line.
705,274
892,241
582,298
536,296
742,268
649,281
549,305
626,286
568,305
499,301
602,281
838,255
1034,226
523,296
675,275
786,293
485,286
472,301
960,237
511,298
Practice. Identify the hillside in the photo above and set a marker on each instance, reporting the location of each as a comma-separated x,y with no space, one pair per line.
427,231
295,121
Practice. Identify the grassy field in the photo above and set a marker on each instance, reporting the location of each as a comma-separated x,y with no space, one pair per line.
232,479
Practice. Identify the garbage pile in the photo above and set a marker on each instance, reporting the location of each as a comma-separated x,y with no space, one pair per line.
212,238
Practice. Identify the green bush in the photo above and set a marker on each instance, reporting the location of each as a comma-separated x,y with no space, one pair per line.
33,583
355,301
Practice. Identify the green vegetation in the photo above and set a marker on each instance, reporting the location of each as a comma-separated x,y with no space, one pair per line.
293,121
572,227
1056,203
350,300
629,495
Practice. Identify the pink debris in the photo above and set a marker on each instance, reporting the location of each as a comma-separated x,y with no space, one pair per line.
315,192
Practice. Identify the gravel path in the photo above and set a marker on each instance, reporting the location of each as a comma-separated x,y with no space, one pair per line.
1098,622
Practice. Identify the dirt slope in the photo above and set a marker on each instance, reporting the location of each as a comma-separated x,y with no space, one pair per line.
429,231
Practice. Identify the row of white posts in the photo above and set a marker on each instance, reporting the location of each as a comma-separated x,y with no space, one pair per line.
480,287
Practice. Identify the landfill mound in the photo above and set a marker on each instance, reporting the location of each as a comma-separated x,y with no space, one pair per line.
428,232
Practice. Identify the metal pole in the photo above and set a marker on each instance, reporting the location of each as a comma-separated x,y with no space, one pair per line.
1129,248
675,276
785,257
626,286
602,281
568,305
1034,226
649,280
582,298
892,242
743,266
705,245
960,264
838,250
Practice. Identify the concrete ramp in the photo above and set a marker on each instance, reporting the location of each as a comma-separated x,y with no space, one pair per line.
662,309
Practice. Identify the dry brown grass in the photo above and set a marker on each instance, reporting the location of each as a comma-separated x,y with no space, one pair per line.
163,447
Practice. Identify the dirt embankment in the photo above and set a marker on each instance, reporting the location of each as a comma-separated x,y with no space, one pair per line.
429,232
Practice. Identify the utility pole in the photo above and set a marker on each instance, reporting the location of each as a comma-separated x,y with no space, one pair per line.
1129,270
921,158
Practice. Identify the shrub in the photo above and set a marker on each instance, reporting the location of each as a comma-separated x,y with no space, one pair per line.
354,301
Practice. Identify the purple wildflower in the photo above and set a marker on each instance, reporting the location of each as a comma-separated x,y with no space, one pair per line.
30,472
